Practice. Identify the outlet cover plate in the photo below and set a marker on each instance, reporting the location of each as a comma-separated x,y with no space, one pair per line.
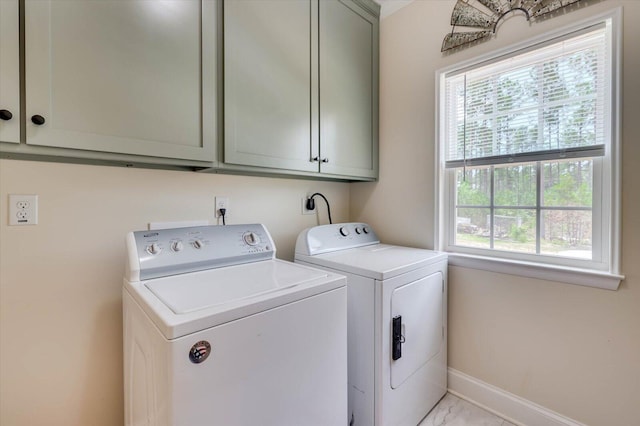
23,210
222,203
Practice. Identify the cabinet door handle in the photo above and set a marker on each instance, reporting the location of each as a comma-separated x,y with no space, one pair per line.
38,120
325,160
5,115
314,159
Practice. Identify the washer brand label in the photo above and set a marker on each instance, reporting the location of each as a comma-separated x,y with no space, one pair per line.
200,352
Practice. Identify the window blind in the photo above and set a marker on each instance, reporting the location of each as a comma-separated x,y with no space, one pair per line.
541,104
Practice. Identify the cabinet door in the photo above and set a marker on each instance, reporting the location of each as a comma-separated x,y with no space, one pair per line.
348,89
9,72
122,76
270,63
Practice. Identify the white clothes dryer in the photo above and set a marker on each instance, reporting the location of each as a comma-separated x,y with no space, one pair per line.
217,331
397,321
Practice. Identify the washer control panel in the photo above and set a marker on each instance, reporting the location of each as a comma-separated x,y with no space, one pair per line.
163,252
338,236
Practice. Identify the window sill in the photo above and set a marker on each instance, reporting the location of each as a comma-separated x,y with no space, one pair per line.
584,277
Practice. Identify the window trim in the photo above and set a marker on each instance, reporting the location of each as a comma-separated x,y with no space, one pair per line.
610,277
562,274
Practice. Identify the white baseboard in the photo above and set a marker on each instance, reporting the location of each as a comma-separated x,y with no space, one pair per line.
510,407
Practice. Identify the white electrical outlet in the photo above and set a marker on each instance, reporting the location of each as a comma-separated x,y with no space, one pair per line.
23,209
305,210
222,203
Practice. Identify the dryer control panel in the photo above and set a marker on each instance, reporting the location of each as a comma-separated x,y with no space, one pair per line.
337,236
164,252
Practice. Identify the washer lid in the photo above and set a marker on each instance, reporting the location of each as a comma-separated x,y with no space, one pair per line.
378,261
193,292
187,303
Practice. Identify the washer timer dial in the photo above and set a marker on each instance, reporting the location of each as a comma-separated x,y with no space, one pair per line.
251,238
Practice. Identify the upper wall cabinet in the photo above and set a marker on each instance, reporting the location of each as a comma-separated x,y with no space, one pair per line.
269,65
9,72
348,89
129,77
300,87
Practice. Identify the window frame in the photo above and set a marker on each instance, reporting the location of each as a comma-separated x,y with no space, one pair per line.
603,270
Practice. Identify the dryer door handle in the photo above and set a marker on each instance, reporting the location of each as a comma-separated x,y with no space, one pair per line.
398,338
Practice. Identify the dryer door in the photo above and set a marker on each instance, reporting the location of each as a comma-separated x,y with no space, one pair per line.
419,304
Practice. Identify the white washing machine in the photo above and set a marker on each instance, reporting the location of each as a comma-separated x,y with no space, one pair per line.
218,332
397,321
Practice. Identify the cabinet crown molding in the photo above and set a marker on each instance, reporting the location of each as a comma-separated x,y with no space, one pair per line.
370,6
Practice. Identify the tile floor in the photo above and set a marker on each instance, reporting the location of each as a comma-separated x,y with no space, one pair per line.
453,411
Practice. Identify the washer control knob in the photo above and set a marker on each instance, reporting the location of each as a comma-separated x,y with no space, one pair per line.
251,238
365,230
198,244
358,231
344,231
154,248
177,245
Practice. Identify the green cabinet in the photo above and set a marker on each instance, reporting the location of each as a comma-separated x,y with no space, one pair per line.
290,86
116,79
9,72
348,89
268,97
300,87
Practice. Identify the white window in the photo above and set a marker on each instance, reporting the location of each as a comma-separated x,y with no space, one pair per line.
528,158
